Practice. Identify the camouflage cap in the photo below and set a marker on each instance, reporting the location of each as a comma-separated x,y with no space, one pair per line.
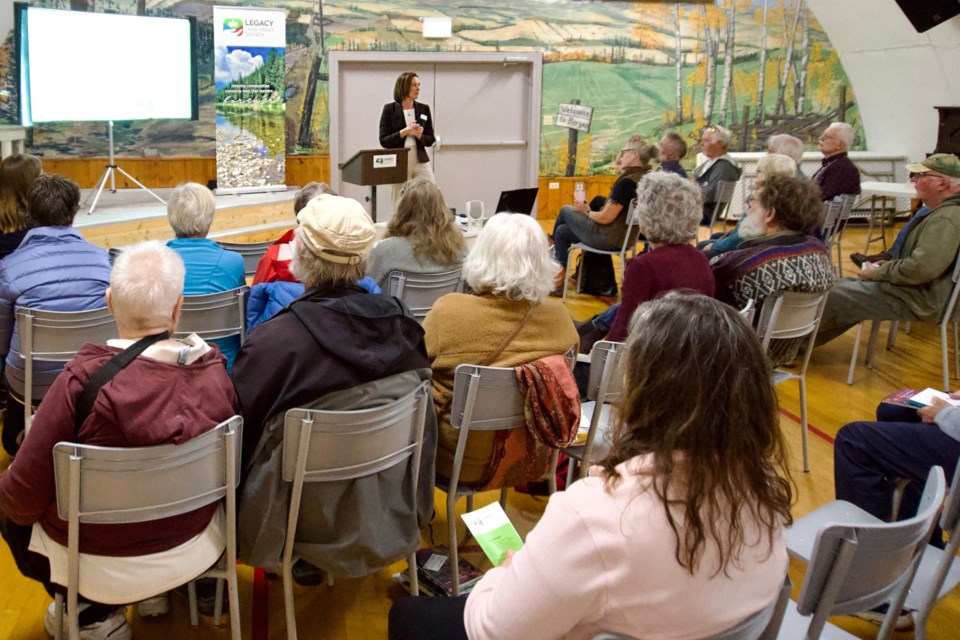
943,163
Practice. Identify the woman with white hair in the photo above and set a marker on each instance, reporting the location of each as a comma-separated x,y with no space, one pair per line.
170,392
510,273
210,269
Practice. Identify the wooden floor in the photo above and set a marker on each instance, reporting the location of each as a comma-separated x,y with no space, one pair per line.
357,609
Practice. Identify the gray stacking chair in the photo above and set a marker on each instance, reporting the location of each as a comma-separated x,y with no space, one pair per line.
721,207
215,315
762,625
252,252
846,208
603,387
330,446
626,251
484,399
420,290
107,485
56,336
793,315
856,562
939,572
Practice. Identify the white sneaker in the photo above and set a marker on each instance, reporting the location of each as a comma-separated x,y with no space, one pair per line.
112,627
154,607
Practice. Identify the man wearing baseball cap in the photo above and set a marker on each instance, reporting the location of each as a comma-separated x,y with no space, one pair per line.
917,284
335,347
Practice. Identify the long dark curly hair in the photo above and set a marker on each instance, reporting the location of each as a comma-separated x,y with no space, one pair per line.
698,396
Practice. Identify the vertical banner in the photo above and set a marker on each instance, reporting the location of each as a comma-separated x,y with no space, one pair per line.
249,74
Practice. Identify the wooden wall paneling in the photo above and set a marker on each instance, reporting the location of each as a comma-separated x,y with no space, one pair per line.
550,200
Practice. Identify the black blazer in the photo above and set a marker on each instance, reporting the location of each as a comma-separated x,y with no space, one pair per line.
392,121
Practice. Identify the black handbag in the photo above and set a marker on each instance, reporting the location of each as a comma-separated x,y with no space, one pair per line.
597,276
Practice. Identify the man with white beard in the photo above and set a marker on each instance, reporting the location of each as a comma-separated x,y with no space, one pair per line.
775,253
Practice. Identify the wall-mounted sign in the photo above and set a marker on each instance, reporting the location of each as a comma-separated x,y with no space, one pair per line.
574,116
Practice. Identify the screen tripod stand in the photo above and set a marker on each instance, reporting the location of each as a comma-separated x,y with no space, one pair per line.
111,171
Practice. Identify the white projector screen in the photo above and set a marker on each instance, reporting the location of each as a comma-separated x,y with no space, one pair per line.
79,66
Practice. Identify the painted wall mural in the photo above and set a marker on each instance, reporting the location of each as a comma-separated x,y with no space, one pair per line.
756,66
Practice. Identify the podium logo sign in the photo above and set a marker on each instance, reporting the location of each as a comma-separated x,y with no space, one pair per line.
387,161
574,116
233,25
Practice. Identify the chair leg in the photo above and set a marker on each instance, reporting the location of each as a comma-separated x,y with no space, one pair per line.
452,542
469,503
872,342
572,464
58,616
839,254
192,599
552,473
286,572
218,604
956,350
804,424
892,334
853,357
503,497
944,357
233,595
566,274
414,578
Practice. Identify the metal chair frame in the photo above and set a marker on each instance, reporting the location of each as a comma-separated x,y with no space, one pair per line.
251,252
627,250
721,203
57,336
329,446
108,485
420,290
215,315
786,315
856,562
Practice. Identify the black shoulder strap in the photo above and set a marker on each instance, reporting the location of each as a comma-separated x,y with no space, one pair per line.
106,373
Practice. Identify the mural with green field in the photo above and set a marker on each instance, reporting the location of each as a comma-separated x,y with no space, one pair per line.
756,66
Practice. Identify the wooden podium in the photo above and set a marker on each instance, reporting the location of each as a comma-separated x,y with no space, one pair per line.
370,167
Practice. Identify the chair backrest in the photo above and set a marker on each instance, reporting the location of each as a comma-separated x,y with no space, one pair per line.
633,230
486,398
420,290
57,335
846,208
764,624
606,377
722,198
950,516
831,219
950,307
858,567
326,446
790,314
252,252
215,315
110,485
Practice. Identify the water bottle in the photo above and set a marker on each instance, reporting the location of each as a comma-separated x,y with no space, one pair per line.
579,194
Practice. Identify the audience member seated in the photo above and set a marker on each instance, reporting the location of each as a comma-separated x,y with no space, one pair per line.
274,286
768,165
673,148
915,286
669,209
174,390
335,347
17,173
868,457
210,269
893,253
606,228
421,236
688,509
719,166
510,273
837,174
275,264
790,146
53,269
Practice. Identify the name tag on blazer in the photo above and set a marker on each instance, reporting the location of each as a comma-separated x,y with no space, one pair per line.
424,117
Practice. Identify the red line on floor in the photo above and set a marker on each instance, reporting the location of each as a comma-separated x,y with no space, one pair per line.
260,606
812,428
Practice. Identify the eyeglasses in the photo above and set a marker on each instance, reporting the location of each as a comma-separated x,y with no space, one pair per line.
925,174
826,137
623,151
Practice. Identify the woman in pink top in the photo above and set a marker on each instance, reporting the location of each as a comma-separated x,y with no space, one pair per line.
679,533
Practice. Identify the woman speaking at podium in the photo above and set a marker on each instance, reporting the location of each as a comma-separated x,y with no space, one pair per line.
408,123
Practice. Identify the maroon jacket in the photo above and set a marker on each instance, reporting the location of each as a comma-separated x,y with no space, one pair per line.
150,402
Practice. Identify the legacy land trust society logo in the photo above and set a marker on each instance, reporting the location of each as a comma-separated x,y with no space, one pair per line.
251,27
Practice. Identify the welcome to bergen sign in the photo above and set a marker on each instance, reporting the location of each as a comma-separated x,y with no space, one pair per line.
574,116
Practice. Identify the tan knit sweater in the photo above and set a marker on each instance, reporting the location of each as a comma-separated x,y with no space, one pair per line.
465,329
